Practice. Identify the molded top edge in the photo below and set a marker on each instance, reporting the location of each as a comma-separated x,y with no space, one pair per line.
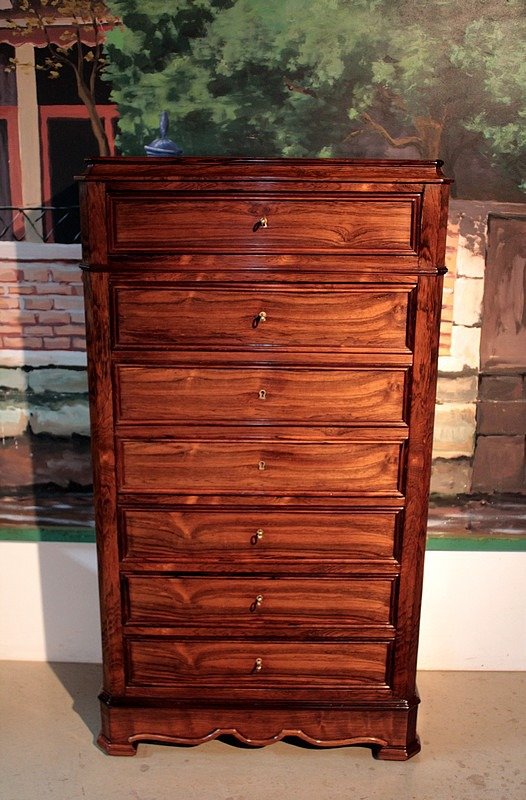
138,168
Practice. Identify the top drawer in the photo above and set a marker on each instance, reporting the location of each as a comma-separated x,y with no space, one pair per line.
222,224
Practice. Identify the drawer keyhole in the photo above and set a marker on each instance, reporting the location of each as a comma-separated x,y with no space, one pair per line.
261,317
261,223
262,394
256,603
262,465
257,537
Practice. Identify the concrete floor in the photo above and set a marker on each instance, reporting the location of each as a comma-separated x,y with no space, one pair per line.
472,726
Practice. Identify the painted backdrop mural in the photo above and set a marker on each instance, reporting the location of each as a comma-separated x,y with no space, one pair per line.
342,78
335,78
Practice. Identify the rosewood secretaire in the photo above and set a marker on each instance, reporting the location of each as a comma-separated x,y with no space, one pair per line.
262,345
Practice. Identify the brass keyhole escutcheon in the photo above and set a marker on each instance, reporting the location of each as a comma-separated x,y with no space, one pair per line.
261,317
262,394
258,666
257,536
257,602
261,465
261,223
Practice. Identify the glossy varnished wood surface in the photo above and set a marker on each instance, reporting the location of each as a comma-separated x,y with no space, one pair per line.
283,456
220,394
238,467
353,318
171,535
96,291
418,475
256,601
168,661
228,225
385,727
283,170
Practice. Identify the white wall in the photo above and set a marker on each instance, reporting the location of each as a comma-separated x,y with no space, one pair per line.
49,602
473,613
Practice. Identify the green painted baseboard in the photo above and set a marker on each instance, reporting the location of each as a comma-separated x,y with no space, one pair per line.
47,535
487,544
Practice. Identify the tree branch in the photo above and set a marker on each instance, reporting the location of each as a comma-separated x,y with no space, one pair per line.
393,98
294,87
394,141
85,89
51,47
98,33
351,135
79,51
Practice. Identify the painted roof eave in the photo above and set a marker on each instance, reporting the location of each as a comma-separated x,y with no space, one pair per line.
62,32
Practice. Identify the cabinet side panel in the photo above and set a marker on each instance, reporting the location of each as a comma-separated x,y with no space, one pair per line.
421,417
101,413
432,251
93,222
418,473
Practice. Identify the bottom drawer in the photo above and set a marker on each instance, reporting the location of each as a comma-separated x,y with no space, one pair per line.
163,662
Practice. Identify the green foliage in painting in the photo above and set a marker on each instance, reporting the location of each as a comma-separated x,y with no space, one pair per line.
332,78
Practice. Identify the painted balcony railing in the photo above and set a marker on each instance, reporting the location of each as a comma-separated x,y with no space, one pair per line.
60,224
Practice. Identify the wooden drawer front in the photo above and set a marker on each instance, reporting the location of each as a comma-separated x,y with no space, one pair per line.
177,601
233,225
374,319
205,394
163,535
260,468
163,662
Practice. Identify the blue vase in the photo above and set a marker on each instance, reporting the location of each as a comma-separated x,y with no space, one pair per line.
163,146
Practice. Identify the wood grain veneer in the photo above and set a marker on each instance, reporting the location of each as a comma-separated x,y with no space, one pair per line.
206,394
262,348
354,318
164,535
226,225
166,661
256,601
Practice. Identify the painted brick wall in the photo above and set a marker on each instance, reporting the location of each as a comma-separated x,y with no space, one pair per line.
446,321
41,302
44,419
461,397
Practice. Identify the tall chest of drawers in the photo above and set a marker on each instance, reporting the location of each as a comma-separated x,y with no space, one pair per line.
262,346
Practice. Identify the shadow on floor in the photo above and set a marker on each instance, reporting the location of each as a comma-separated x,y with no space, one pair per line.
83,682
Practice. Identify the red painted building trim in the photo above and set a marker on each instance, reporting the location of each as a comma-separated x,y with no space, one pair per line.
10,114
108,113
59,30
